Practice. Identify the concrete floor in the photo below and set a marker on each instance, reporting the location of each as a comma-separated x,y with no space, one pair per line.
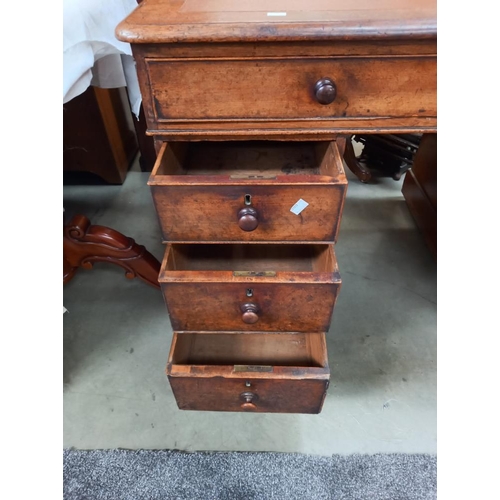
381,345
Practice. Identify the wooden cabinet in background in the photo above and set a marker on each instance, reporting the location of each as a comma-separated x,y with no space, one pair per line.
99,135
420,190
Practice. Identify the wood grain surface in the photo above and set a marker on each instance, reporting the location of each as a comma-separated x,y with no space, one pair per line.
259,372
294,287
286,88
242,297
199,190
160,21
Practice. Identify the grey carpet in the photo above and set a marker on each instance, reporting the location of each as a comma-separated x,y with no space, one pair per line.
151,475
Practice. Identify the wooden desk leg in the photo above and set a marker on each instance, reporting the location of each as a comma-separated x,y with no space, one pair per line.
357,168
85,244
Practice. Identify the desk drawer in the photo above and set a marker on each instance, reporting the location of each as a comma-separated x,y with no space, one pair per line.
257,372
275,89
250,287
248,191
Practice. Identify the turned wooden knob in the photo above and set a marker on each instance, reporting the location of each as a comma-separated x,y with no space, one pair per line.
250,315
325,91
247,219
248,398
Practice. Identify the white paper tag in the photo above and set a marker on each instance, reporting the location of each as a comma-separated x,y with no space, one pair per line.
299,206
274,14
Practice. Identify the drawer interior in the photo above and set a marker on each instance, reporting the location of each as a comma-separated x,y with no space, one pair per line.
271,349
256,258
244,159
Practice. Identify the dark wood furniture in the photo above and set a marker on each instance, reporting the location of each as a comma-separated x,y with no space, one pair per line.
99,138
249,104
263,372
243,191
420,190
227,287
85,244
390,155
361,171
99,134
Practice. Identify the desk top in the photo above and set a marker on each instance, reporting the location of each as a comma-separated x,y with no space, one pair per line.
165,21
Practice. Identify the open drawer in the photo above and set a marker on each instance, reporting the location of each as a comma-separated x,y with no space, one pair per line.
262,372
255,191
250,287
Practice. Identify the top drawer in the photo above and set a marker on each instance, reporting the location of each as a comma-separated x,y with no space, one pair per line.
315,91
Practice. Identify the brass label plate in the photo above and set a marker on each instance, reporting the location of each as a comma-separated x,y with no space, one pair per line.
253,368
264,274
253,177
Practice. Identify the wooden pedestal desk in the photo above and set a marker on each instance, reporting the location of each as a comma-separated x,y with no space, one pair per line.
249,104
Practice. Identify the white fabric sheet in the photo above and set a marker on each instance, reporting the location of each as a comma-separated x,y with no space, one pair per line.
91,53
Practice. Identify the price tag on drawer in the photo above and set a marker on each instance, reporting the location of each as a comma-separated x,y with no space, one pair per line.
299,206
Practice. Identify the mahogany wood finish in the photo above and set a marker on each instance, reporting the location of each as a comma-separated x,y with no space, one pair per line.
251,106
368,49
288,90
209,21
270,372
244,191
356,167
84,244
292,287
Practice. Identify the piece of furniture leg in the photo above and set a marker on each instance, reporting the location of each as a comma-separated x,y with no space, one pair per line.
356,167
420,190
85,244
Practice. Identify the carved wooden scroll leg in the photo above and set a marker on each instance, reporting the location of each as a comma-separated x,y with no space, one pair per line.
357,168
85,244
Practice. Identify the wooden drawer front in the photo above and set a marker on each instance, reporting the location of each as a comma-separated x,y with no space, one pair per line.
286,373
205,191
222,394
284,88
250,287
220,306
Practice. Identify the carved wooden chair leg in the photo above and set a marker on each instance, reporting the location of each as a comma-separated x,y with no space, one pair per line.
356,167
85,244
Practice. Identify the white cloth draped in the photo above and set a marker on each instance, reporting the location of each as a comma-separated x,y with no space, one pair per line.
91,53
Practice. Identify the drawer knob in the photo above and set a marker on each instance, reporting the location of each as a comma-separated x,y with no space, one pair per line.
325,91
247,219
248,398
250,315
